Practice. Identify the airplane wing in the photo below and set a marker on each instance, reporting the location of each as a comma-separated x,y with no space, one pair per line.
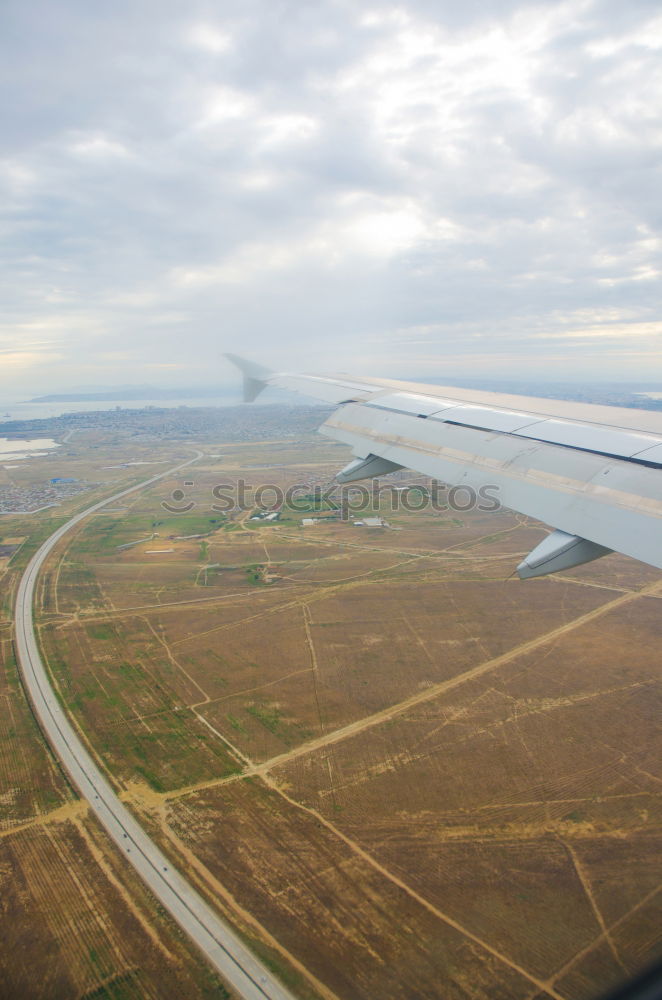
592,472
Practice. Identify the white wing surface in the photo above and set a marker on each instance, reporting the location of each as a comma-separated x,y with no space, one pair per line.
592,472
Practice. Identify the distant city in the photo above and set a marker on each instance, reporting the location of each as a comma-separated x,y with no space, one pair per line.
232,423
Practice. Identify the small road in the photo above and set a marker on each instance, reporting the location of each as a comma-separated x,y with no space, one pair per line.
219,944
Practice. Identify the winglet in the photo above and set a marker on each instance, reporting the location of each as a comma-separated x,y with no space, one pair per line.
255,376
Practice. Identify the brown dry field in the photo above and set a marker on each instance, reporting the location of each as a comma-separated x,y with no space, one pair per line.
31,783
360,934
409,773
75,924
73,920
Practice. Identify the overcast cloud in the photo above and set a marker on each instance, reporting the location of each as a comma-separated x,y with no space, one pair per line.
432,187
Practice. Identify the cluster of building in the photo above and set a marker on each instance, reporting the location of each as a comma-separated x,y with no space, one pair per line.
231,423
29,499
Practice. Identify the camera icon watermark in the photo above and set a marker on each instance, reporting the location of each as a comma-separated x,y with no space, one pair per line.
178,504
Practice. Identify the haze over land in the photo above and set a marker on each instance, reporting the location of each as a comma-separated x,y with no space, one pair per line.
459,189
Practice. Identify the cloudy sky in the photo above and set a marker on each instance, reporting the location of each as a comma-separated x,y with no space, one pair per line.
433,187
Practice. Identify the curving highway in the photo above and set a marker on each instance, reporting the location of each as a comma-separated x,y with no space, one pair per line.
219,944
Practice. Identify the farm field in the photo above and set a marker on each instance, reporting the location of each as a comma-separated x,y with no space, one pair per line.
73,920
31,783
71,923
399,770
75,924
406,772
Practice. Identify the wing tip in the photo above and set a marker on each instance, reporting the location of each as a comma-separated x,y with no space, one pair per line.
254,376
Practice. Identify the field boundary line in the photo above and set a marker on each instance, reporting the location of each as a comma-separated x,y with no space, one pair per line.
588,890
603,935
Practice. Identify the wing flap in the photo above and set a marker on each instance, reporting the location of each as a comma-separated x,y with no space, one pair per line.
580,434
